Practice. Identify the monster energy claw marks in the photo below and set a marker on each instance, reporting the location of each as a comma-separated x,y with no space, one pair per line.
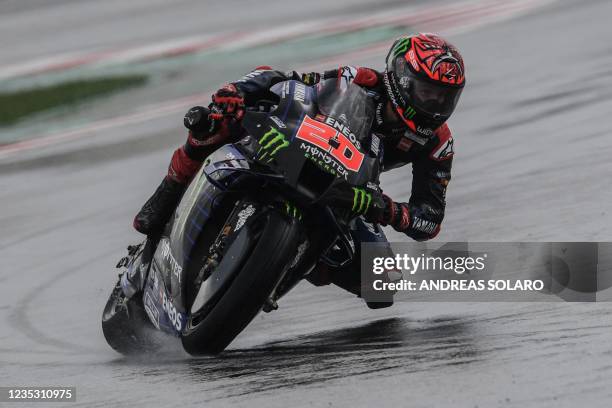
271,142
292,211
401,47
361,200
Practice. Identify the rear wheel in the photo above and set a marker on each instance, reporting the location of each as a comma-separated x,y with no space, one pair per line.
125,324
244,297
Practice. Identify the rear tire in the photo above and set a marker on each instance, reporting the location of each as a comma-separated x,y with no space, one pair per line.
125,325
249,290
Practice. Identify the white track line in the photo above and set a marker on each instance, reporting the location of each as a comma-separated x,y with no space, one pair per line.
453,21
236,40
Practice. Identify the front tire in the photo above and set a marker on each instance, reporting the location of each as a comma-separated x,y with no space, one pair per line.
249,290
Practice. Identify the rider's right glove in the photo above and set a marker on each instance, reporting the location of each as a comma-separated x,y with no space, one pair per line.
227,106
229,103
200,122
206,132
213,125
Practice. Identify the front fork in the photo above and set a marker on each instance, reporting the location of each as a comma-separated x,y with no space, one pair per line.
299,267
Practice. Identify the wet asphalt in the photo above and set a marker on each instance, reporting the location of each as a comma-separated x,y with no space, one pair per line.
532,156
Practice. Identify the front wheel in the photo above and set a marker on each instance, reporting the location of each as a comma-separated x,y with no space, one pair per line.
244,297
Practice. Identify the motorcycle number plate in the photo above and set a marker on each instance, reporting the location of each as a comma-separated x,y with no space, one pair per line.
332,141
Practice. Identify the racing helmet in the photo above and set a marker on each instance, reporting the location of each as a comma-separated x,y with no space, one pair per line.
424,78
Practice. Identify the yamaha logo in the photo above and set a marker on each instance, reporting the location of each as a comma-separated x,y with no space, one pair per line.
425,131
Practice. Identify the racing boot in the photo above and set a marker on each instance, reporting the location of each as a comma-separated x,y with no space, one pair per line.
206,134
158,209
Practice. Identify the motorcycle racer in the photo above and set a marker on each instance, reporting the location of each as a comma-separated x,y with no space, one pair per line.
415,95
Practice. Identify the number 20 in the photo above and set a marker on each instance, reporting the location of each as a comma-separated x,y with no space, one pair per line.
319,134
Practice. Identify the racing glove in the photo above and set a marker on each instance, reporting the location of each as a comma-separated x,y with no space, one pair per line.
199,120
381,209
208,129
212,125
374,206
421,224
228,102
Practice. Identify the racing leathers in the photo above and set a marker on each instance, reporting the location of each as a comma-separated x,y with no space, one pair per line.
420,218
210,128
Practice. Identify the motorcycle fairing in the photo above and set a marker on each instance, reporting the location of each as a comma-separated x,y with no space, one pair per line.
297,105
159,304
164,292
240,240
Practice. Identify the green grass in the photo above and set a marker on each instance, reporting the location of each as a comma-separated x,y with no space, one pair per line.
14,106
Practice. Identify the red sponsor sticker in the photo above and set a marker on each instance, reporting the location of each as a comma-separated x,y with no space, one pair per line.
319,134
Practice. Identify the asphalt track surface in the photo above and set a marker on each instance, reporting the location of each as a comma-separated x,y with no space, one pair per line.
532,156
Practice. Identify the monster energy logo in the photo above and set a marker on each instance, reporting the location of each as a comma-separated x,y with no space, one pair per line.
292,210
271,142
401,47
409,112
361,200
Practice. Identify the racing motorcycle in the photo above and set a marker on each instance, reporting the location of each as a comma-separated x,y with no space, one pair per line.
255,220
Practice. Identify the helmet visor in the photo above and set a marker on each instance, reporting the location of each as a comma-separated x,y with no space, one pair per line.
437,101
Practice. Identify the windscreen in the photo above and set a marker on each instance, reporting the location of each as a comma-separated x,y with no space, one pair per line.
348,104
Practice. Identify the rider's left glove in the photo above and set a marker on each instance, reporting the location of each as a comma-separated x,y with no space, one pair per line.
381,210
